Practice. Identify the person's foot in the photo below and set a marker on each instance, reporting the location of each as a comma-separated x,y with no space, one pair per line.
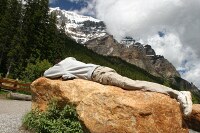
185,100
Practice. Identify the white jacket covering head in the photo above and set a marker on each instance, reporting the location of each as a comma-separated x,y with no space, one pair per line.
70,68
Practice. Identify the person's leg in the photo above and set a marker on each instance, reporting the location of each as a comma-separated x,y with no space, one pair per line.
108,76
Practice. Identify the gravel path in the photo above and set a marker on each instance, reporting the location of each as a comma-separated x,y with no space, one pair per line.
11,113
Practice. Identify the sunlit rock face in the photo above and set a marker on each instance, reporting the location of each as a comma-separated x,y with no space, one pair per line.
103,108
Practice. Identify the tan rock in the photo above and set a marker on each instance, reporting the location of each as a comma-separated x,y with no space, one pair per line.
193,120
109,109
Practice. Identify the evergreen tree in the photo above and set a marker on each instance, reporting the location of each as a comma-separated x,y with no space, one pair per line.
35,25
9,26
51,38
3,5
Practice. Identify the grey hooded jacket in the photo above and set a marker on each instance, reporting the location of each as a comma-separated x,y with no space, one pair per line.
70,68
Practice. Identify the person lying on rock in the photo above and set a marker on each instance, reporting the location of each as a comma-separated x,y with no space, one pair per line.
70,68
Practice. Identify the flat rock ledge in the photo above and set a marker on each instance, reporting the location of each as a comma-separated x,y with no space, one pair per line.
109,109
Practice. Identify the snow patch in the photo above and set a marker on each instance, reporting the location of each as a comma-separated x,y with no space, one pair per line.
80,28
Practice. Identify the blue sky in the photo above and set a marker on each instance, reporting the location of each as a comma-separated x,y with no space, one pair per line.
68,5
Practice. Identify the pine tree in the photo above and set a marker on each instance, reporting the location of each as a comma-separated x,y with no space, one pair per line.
43,39
35,25
9,26
3,5
51,38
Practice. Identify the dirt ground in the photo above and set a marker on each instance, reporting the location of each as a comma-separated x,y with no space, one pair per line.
11,114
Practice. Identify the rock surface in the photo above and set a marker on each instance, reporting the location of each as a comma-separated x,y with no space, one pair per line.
137,54
104,109
194,120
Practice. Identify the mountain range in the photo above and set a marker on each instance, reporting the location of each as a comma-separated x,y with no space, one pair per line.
91,33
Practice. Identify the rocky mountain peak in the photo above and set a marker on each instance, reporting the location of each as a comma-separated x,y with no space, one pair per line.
134,53
149,50
128,41
78,27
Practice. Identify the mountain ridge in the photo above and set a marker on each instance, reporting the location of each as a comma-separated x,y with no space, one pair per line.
85,29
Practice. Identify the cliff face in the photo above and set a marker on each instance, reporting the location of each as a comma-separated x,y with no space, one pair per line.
137,54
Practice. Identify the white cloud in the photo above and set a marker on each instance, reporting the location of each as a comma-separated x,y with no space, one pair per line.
89,9
170,46
142,19
182,56
52,1
75,1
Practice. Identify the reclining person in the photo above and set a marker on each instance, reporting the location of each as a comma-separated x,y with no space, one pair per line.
70,68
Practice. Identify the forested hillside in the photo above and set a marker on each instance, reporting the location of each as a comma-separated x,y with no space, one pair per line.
27,34
30,43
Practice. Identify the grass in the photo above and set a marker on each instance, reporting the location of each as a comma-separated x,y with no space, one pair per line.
3,94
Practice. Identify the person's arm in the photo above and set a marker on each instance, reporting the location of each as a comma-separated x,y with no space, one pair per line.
68,76
54,72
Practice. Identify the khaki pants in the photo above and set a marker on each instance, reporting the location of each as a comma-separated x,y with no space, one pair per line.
108,76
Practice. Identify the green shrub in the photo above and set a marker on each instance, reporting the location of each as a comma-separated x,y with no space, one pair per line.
54,120
3,92
35,70
195,99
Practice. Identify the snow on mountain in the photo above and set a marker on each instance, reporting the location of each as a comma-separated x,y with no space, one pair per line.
80,28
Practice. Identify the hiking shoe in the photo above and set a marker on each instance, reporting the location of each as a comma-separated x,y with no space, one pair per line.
185,100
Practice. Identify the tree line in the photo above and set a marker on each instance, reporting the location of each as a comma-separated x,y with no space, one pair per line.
28,34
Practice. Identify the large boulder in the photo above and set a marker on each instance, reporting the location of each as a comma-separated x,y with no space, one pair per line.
109,109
